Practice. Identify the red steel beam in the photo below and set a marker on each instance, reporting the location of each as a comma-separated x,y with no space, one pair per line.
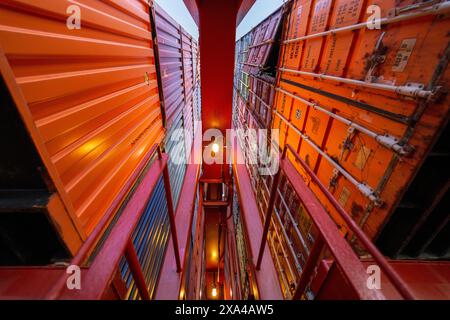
309,268
244,9
217,22
192,7
217,49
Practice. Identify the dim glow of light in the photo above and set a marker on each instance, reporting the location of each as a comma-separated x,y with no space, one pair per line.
88,147
214,292
215,148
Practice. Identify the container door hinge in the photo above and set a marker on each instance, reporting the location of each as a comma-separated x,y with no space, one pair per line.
369,193
392,143
417,90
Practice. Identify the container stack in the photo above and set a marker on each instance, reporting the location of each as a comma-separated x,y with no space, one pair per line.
178,65
87,104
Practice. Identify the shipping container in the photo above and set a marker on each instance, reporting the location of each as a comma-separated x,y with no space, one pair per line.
364,105
178,66
88,98
176,62
178,69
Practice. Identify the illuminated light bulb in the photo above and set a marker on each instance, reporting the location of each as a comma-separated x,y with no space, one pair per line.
215,148
214,292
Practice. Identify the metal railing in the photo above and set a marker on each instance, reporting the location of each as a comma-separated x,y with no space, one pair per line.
97,275
324,235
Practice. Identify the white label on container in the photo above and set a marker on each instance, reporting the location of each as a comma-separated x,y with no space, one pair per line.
403,55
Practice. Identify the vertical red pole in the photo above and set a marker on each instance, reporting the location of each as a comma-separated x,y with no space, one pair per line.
201,235
309,267
136,270
270,207
217,48
171,210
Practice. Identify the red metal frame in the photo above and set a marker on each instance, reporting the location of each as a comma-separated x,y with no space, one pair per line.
192,6
217,44
105,264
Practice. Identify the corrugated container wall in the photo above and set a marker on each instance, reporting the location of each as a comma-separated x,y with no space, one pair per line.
89,96
178,66
176,50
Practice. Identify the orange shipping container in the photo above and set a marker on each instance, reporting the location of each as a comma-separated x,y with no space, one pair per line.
368,103
88,96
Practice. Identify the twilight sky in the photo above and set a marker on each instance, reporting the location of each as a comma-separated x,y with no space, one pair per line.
260,10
